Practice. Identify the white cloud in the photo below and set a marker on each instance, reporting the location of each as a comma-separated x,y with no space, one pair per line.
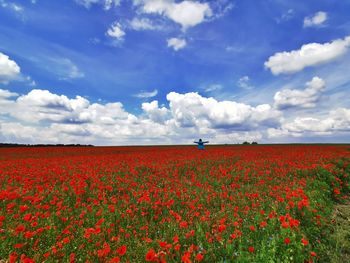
277,132
244,83
312,54
143,24
44,117
176,43
306,98
9,70
146,94
337,121
116,31
42,105
48,117
315,20
155,113
5,94
185,13
191,109
5,100
107,4
238,137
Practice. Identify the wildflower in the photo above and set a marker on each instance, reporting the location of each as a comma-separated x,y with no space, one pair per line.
176,239
285,225
186,258
13,257
115,260
151,255
72,258
162,244
199,257
27,217
19,245
122,250
263,224
104,251
183,224
20,228
287,240
305,242
251,249
221,228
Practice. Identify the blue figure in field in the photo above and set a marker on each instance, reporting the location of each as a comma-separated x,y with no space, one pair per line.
201,144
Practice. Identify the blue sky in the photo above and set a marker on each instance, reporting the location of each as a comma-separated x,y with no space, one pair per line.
115,72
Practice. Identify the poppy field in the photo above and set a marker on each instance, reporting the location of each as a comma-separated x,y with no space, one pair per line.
257,203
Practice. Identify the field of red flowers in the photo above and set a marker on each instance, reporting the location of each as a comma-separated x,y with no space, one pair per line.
170,204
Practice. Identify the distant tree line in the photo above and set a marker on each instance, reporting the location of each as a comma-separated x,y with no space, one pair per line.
245,143
43,145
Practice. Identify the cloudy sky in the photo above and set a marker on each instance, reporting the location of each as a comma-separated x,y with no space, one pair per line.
117,72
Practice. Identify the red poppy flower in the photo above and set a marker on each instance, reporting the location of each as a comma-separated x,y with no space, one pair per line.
20,228
151,255
115,260
287,240
305,242
199,257
13,257
186,257
263,224
19,245
122,250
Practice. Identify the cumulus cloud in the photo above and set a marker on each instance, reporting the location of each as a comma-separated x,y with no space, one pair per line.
154,112
177,43
337,121
48,117
312,54
306,98
185,13
44,117
107,4
42,105
146,94
5,94
315,20
9,70
191,109
116,31
5,100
